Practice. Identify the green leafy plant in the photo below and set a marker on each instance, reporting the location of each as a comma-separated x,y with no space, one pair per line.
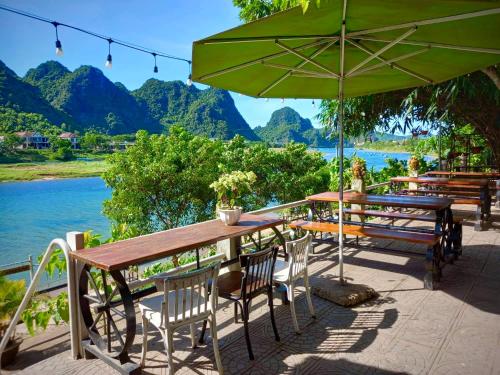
11,295
43,309
231,187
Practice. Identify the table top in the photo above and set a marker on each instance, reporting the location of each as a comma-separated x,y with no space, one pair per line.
122,254
489,175
439,181
405,201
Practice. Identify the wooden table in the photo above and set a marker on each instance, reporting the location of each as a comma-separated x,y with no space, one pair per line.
488,175
480,185
442,206
110,344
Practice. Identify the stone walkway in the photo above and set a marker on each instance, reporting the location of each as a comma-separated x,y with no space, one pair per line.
407,330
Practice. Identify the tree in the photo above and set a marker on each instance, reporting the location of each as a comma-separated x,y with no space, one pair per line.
10,144
163,181
473,98
94,141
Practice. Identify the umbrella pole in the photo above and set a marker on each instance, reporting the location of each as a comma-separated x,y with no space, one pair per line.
341,149
341,188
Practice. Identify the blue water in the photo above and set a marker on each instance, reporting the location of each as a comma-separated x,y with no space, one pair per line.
374,159
34,213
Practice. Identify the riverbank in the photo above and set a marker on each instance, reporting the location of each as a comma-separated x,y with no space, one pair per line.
51,170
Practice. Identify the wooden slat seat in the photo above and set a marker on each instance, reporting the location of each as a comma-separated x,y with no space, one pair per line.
433,256
444,192
428,239
398,215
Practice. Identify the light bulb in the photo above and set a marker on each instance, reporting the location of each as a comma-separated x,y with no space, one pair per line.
267,99
59,50
189,81
282,100
313,104
109,62
155,70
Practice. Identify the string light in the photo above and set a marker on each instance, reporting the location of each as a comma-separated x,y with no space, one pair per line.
109,62
59,50
109,59
155,69
189,81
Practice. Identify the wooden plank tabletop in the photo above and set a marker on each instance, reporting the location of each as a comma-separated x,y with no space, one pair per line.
405,201
439,181
122,254
488,175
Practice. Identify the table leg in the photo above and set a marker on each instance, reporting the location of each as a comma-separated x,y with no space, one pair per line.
111,345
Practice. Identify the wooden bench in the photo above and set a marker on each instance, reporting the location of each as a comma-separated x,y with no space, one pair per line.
434,256
470,198
456,230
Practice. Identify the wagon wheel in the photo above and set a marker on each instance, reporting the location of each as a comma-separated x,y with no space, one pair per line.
108,312
446,240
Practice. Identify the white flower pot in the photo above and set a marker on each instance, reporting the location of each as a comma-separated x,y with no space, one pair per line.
230,216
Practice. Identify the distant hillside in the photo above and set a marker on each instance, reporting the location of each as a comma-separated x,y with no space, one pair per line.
286,125
86,98
209,112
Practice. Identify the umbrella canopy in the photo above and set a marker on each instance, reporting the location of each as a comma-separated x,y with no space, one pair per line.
348,48
389,45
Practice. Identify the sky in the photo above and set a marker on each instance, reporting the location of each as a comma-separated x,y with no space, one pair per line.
168,26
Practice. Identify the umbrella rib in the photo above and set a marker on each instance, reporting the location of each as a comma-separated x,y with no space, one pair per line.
395,66
305,58
296,69
431,21
382,50
388,62
435,45
298,66
259,60
265,39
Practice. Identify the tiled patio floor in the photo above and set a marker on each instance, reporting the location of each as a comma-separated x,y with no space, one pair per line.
454,330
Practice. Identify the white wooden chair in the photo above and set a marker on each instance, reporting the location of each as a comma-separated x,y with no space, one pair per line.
186,299
288,273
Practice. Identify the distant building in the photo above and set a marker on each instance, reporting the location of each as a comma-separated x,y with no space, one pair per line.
72,137
33,140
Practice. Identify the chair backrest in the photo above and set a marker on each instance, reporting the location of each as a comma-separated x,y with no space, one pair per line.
258,271
298,253
187,296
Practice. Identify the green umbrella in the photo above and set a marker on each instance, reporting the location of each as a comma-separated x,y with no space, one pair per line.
348,48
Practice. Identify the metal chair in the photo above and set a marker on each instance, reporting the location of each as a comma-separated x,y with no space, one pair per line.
242,286
186,299
288,273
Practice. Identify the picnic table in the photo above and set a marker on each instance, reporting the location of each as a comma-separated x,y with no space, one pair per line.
472,191
441,206
488,175
439,241
107,262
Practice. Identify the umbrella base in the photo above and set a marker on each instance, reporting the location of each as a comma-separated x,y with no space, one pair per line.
346,294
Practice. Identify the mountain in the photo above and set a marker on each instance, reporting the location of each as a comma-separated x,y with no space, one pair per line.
85,98
23,97
209,112
286,125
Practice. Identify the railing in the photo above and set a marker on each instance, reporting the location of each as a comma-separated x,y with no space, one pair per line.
18,267
58,243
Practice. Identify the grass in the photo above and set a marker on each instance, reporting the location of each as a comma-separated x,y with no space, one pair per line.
50,170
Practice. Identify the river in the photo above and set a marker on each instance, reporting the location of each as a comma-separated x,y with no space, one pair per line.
33,213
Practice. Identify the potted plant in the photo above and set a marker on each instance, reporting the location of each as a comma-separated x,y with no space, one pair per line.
414,163
11,295
230,188
358,168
